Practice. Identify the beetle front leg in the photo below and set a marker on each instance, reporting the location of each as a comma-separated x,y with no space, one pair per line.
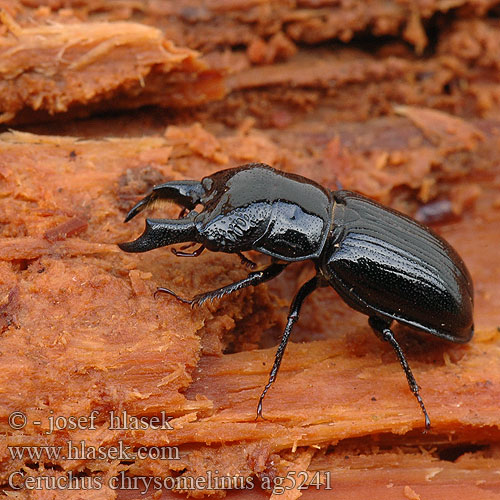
187,194
293,315
382,330
253,279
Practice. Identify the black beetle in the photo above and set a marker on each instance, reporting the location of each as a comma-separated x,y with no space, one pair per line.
381,262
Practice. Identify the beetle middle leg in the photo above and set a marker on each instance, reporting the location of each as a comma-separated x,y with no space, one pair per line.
253,279
382,330
293,315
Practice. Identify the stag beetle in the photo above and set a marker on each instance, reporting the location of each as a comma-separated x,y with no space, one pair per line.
381,262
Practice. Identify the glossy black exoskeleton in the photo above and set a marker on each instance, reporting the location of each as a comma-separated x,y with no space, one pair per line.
381,262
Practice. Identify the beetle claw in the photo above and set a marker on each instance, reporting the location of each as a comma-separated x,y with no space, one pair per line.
170,292
197,300
259,412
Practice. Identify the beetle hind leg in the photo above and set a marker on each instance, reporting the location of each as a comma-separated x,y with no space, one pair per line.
382,330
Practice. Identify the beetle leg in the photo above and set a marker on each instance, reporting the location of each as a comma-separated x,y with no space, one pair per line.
183,212
293,316
253,279
196,253
188,245
383,331
170,292
246,261
185,193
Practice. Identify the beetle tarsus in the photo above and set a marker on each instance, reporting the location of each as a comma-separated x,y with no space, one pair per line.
293,315
383,331
197,300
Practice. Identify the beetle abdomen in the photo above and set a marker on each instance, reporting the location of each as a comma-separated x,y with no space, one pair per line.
385,264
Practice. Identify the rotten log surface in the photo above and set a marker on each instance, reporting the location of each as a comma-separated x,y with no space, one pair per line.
53,68
211,25
80,328
52,64
83,332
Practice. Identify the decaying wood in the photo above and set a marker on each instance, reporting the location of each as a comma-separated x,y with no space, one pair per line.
210,25
58,65
353,84
81,67
82,330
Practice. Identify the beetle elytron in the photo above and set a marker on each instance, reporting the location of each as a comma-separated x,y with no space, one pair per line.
381,262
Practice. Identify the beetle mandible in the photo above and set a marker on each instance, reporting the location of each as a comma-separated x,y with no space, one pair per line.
381,262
